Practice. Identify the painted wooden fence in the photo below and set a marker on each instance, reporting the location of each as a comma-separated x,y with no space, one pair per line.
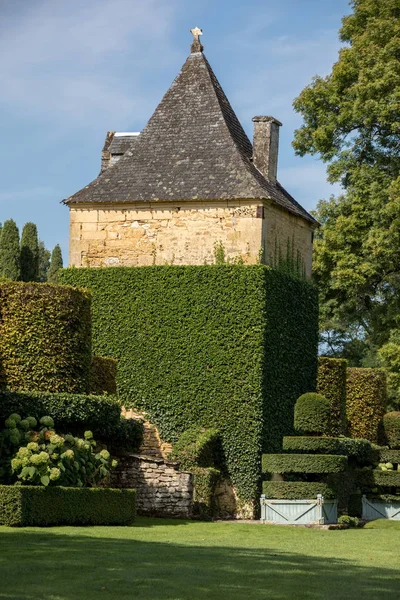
299,512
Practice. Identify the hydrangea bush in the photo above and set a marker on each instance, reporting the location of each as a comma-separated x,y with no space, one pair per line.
37,455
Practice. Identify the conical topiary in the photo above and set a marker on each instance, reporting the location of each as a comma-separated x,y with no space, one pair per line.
29,253
55,265
10,267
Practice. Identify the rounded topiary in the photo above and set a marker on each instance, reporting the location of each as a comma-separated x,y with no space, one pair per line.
312,414
391,425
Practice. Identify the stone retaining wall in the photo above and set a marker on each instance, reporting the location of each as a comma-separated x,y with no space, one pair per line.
162,490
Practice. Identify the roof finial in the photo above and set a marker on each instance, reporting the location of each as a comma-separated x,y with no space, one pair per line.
196,45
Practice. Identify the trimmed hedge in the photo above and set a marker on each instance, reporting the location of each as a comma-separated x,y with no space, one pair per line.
331,383
229,347
384,497
23,506
361,450
392,456
303,463
72,412
312,414
103,377
45,333
370,478
298,490
391,426
366,402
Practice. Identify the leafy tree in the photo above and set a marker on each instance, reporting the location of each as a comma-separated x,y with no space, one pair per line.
44,261
29,253
352,121
10,267
55,265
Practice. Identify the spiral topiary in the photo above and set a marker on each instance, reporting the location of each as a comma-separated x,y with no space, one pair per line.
312,414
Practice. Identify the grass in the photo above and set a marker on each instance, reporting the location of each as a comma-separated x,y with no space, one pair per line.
179,560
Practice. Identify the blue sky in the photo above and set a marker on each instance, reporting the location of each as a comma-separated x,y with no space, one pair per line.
72,70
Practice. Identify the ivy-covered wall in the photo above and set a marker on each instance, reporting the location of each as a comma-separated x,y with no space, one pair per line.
229,347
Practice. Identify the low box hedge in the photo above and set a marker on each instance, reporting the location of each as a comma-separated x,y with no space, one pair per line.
23,506
303,463
359,449
296,490
392,456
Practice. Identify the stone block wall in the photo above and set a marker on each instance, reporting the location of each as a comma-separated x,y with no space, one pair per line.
162,490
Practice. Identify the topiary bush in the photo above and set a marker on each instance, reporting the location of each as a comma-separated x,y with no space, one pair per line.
127,437
303,463
331,383
228,347
366,403
45,334
312,414
25,506
391,426
103,378
295,490
361,450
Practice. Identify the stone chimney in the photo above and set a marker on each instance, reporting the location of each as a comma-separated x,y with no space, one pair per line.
105,153
265,146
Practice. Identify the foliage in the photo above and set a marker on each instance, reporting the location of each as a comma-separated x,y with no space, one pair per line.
56,263
44,261
331,383
127,436
47,458
359,449
24,506
289,261
349,521
293,490
392,456
350,118
45,333
10,265
312,414
365,403
29,253
192,352
72,412
303,463
391,425
103,377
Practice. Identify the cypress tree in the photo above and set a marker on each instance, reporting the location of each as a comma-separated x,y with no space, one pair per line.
55,265
29,253
44,261
10,267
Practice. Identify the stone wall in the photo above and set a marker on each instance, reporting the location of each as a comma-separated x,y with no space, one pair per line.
162,490
152,444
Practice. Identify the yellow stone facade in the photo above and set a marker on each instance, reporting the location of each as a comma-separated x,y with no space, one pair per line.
181,234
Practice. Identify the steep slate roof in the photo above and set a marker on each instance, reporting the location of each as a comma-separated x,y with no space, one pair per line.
192,148
122,143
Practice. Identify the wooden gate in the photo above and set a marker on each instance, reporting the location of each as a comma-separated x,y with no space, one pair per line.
299,512
377,509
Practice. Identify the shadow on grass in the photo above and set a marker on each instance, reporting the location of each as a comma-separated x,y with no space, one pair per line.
46,565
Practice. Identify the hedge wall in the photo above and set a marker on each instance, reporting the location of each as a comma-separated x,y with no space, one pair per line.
303,463
45,334
391,426
331,383
361,450
295,490
23,506
392,456
224,346
103,376
365,403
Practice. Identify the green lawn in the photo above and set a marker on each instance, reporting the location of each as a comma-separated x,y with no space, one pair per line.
159,558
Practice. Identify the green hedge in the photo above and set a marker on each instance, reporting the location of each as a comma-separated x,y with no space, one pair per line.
391,425
103,377
361,450
45,334
229,347
365,403
392,456
296,490
331,383
24,506
370,478
384,497
72,412
312,414
303,463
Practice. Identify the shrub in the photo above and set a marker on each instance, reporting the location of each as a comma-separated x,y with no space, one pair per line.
72,412
366,402
312,414
228,347
331,383
24,506
296,490
205,480
303,463
368,479
103,376
361,450
392,456
349,521
45,337
128,436
391,425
